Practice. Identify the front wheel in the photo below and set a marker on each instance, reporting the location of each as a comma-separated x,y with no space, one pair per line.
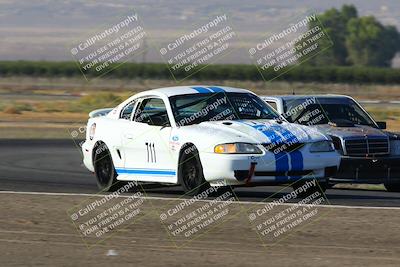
106,175
191,175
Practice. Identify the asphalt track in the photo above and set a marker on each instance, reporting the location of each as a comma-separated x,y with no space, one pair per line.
55,166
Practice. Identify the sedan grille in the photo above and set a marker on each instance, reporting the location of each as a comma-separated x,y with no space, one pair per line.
367,147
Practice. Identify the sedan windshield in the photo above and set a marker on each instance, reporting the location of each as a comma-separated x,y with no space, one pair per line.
322,110
194,109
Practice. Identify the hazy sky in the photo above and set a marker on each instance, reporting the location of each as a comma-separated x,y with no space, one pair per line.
47,29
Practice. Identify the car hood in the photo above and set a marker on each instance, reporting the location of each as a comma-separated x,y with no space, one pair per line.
259,131
355,131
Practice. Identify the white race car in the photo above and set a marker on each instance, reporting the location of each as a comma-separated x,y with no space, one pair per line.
199,136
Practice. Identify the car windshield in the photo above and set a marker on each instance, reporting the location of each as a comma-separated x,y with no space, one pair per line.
322,110
194,109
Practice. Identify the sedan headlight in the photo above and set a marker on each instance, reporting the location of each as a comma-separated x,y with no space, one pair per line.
237,148
322,146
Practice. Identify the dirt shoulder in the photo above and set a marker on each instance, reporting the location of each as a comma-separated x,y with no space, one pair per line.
36,230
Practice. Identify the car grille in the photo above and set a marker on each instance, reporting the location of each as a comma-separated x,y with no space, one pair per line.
367,147
283,147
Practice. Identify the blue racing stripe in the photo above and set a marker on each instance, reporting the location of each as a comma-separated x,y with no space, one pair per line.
287,135
201,90
290,137
147,172
296,160
281,162
275,133
272,135
216,89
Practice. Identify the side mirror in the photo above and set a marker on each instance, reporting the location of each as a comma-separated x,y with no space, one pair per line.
381,124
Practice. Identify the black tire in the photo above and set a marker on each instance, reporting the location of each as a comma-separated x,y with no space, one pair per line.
190,173
319,187
392,187
106,175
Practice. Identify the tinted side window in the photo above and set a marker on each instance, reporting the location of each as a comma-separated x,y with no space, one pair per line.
127,111
153,112
272,104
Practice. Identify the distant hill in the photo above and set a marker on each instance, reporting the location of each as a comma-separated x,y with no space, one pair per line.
47,29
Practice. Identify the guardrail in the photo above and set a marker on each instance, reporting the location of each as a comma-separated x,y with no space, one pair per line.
365,101
379,102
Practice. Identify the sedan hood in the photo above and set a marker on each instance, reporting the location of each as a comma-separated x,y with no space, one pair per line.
355,131
261,131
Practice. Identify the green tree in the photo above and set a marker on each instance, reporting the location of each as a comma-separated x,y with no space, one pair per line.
369,43
348,12
335,24
356,40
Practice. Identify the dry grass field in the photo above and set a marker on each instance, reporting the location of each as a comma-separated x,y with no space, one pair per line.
49,107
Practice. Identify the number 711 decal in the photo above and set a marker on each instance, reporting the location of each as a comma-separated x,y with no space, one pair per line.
151,152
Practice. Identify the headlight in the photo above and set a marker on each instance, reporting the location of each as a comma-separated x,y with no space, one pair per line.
92,131
322,146
395,147
237,148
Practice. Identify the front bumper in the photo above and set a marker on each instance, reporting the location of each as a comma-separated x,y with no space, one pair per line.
368,170
234,169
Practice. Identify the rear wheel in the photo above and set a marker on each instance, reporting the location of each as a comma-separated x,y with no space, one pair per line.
319,187
392,187
191,175
106,174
